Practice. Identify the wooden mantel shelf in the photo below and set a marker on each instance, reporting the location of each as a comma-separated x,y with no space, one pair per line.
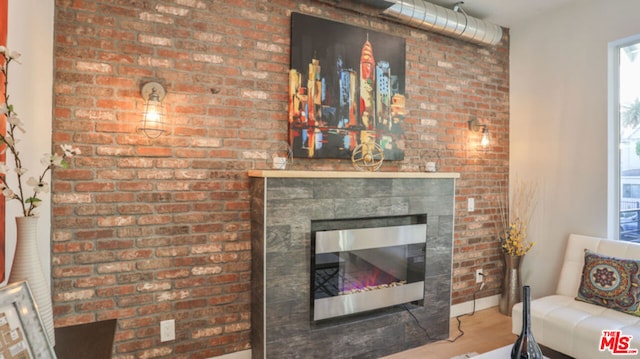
349,174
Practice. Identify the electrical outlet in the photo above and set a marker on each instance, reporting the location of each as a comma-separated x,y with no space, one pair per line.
471,204
167,330
479,276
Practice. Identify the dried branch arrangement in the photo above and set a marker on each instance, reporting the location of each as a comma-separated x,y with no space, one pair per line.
516,216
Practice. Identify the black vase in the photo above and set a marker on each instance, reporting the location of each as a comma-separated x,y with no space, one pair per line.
526,347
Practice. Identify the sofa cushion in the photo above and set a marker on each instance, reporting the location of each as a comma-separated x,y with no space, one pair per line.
610,282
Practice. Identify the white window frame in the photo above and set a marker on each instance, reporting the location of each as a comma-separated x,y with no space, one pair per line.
613,114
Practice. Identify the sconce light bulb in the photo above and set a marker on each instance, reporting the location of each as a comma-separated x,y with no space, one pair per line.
153,116
485,137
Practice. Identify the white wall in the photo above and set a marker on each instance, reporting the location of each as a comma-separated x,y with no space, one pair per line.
30,32
559,123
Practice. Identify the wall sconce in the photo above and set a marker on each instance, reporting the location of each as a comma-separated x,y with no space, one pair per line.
153,117
474,125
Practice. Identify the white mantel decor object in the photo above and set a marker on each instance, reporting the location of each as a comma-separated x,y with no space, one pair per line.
280,163
27,266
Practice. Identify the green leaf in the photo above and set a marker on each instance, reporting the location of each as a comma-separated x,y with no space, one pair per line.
32,200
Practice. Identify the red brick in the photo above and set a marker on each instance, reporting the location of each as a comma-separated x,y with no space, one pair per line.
95,187
73,271
95,306
115,197
135,254
74,320
154,152
134,345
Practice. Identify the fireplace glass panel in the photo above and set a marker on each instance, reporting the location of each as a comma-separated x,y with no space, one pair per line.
357,270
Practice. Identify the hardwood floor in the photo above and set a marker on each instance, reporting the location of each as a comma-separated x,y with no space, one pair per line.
484,331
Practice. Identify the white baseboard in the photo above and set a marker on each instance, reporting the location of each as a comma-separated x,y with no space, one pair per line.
481,303
245,354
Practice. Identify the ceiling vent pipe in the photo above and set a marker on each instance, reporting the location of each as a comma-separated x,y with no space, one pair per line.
457,24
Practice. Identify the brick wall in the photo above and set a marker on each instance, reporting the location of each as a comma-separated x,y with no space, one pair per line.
146,230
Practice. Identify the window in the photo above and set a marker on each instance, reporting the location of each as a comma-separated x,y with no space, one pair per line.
625,112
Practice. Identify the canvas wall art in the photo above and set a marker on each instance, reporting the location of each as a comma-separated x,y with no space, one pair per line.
346,87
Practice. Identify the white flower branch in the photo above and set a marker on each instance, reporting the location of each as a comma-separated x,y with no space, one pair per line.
9,140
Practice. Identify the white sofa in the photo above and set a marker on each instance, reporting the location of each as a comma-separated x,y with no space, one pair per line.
572,327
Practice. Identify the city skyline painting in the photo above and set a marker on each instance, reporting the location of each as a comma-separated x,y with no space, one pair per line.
346,88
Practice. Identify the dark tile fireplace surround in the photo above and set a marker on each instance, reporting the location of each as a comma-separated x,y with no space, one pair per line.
283,206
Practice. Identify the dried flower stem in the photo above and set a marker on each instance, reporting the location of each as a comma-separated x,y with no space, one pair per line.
523,200
515,219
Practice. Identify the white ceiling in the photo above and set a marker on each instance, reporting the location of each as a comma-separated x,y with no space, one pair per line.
505,13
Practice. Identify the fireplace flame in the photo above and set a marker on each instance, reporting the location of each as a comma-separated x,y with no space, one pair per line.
367,278
370,288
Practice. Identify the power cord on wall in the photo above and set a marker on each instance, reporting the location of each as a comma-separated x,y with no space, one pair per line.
417,322
461,332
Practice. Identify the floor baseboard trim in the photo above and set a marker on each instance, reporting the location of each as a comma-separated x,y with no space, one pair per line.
481,303
245,354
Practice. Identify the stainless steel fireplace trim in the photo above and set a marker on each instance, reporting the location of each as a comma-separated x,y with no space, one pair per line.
264,270
365,238
340,305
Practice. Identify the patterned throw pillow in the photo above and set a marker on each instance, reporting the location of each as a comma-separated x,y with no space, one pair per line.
610,282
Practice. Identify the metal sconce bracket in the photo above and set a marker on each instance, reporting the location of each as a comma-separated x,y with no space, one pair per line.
147,89
474,125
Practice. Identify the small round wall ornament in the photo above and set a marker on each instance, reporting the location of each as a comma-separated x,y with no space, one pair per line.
367,156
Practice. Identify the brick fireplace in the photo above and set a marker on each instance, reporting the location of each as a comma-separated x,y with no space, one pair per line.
285,204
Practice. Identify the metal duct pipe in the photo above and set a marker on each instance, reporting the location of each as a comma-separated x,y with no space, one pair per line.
424,15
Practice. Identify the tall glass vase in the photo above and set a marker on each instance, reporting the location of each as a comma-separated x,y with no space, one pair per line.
27,266
526,346
511,284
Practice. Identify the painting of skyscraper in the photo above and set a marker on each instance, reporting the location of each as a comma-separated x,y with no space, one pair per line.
346,87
